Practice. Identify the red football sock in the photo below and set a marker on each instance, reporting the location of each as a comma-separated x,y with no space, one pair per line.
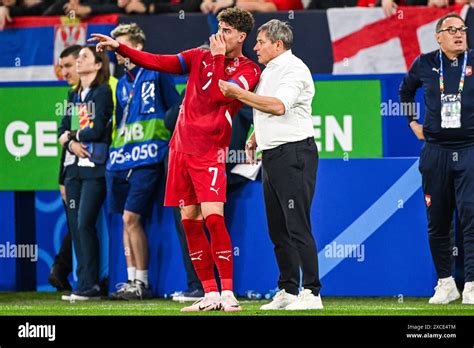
221,247
200,253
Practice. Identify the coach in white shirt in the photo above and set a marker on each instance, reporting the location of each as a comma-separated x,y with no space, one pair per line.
284,131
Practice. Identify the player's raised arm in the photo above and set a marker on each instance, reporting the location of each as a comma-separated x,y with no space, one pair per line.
164,63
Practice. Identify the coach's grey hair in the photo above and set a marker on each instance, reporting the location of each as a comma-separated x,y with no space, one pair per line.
278,30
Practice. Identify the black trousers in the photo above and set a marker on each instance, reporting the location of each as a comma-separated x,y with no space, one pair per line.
448,184
64,257
84,200
289,180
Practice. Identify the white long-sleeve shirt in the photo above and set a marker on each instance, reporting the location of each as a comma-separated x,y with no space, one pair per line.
287,78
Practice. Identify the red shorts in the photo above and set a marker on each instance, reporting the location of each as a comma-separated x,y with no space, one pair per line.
193,180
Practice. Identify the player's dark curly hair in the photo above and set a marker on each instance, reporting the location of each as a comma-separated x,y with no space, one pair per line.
239,19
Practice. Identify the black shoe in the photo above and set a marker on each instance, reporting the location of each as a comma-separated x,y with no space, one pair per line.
89,294
104,287
58,279
138,291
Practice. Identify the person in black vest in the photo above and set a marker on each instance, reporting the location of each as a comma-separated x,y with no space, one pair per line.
447,157
85,133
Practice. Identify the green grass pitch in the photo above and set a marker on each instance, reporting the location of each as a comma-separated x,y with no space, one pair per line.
34,303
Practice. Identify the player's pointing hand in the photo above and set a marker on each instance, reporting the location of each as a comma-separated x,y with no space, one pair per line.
105,42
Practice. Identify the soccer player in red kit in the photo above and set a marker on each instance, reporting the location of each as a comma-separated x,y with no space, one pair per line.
196,174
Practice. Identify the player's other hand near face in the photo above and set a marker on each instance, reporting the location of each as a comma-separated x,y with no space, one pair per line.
217,44
105,42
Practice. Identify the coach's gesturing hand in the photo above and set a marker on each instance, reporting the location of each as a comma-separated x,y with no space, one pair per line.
217,44
105,42
229,89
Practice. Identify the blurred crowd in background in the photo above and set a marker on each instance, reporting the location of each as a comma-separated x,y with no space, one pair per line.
87,8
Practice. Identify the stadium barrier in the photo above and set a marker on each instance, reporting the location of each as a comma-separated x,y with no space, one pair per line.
368,215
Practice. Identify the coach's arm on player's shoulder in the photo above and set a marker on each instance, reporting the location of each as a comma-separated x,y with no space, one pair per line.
270,105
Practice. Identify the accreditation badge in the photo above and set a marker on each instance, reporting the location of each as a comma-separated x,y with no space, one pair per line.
451,111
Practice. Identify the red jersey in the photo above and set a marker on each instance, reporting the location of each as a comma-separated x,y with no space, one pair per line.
204,123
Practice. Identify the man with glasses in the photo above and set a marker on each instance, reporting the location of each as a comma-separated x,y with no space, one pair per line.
447,157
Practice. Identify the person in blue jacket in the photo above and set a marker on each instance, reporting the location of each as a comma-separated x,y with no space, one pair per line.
447,157
136,161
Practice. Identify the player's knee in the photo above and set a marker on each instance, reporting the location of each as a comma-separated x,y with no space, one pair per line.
130,219
213,208
189,213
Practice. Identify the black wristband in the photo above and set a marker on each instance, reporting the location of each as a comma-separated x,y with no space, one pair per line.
72,135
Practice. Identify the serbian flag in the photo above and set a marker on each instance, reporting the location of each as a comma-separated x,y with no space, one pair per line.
364,41
31,46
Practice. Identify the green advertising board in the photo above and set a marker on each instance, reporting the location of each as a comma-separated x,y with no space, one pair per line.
346,118
29,150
